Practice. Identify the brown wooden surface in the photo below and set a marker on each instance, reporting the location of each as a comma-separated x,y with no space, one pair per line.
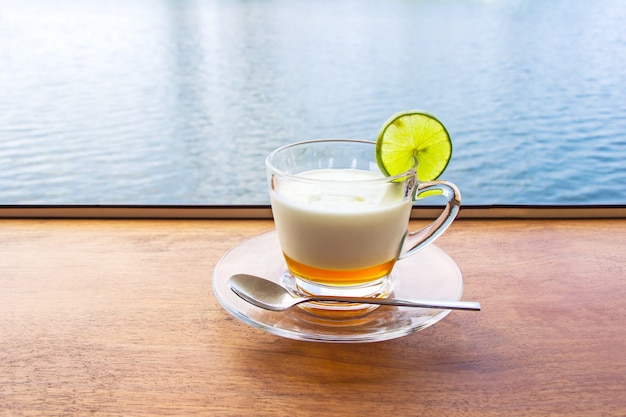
115,317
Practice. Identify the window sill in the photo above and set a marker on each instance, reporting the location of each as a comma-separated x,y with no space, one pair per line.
264,211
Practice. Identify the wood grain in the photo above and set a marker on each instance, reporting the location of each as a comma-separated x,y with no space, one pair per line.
117,317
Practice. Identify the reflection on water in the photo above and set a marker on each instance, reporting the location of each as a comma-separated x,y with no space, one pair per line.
178,102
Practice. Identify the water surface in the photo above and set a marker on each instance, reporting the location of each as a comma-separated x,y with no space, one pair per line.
178,102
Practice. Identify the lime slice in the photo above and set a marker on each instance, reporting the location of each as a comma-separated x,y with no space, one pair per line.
413,134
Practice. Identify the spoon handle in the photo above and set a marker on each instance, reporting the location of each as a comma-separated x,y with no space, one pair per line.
447,305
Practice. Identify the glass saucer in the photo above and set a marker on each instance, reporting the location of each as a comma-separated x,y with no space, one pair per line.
428,274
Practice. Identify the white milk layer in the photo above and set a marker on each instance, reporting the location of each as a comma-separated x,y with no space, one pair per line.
344,225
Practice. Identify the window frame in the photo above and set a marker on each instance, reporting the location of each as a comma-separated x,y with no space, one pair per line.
264,211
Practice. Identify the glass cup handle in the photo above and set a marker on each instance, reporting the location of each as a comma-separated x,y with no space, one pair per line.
418,239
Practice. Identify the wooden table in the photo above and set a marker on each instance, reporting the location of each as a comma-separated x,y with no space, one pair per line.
117,317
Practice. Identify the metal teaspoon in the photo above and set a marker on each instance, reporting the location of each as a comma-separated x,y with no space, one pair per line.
272,296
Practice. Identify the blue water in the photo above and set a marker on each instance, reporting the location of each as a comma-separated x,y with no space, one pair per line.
178,102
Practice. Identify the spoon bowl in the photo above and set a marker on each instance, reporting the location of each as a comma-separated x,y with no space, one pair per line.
272,296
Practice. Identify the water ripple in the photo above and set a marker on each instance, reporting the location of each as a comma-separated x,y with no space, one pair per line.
161,102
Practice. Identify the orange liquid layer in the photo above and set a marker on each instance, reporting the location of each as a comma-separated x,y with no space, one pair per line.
340,277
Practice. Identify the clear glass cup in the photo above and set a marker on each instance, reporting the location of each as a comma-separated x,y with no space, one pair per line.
342,224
